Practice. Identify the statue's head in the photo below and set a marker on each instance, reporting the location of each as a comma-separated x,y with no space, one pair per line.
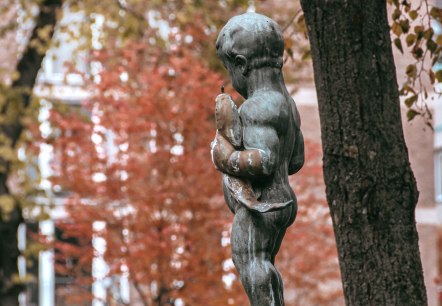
247,42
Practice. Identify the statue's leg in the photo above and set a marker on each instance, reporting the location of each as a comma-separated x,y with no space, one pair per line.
290,211
254,237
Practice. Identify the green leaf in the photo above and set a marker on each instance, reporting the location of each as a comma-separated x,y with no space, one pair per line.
398,44
438,76
410,39
405,25
396,14
413,14
396,29
290,52
435,12
411,114
410,101
431,45
418,29
432,76
417,52
411,70
428,33
306,55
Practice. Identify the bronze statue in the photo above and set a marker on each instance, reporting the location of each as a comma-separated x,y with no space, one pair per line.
256,147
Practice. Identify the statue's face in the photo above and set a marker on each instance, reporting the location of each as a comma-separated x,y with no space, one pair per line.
238,76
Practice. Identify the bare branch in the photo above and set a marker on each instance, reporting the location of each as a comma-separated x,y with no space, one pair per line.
131,11
291,20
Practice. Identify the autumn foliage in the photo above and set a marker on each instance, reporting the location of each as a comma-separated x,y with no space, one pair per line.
308,261
136,160
141,166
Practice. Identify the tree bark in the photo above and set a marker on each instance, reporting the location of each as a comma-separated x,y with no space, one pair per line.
371,189
28,68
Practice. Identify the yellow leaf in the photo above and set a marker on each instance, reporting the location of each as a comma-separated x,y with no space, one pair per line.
413,14
410,39
410,101
7,205
438,76
411,70
396,29
397,42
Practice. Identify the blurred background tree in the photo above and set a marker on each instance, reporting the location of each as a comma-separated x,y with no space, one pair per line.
15,98
140,166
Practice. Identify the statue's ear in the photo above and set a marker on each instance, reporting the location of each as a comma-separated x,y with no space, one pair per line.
242,63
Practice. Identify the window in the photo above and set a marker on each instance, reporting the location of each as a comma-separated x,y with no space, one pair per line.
438,174
437,28
65,49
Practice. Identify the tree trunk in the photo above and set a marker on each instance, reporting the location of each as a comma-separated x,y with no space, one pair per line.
370,186
28,68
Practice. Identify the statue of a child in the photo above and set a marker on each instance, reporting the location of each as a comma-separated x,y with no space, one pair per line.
256,147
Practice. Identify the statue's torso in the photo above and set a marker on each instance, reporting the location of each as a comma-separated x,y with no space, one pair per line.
274,110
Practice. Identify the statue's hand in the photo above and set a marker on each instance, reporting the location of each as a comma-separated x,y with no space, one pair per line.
227,120
222,149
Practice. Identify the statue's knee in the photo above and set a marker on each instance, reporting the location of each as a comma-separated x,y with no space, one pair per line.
239,259
253,266
259,272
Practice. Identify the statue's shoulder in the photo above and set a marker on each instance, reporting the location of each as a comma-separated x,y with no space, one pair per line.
267,107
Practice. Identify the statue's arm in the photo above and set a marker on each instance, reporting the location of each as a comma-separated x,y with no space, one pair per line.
261,145
297,156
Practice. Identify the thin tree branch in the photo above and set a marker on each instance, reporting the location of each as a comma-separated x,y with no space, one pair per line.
133,12
291,20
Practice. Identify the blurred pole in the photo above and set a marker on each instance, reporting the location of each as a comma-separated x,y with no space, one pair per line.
21,244
99,267
46,273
